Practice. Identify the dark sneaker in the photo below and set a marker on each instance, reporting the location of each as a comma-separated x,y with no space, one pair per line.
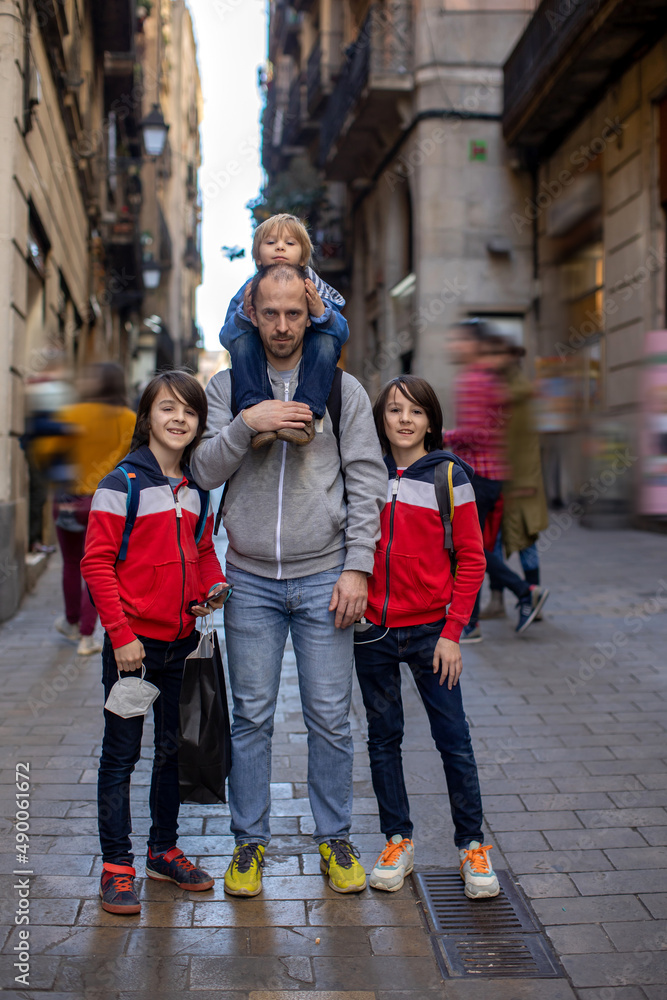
173,866
339,861
117,889
529,609
244,874
471,633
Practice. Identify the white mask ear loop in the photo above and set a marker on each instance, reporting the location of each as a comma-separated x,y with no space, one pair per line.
143,672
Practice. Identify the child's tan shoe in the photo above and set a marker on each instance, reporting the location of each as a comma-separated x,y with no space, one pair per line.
297,435
263,439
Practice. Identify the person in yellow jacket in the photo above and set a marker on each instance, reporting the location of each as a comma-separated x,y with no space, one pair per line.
102,426
525,511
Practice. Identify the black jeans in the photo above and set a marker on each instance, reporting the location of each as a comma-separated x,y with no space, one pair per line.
377,657
121,748
487,492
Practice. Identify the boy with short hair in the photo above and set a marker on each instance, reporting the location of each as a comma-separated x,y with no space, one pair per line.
284,239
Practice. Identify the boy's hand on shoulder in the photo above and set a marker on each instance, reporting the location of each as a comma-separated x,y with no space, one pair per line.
447,660
315,305
129,657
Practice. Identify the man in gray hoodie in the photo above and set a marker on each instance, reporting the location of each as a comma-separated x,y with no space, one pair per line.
302,524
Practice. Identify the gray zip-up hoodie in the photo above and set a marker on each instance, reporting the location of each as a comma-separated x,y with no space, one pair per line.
284,512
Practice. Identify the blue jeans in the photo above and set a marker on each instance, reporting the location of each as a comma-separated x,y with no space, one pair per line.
321,352
378,653
530,563
487,492
121,748
257,621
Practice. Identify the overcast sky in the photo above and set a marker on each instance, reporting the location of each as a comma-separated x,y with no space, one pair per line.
231,37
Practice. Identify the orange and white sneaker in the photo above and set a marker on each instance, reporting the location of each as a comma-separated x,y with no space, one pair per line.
395,862
476,871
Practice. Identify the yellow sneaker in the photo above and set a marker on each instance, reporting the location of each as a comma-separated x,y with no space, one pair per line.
339,861
244,875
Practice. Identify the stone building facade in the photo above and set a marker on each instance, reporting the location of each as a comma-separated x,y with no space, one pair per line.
501,159
73,181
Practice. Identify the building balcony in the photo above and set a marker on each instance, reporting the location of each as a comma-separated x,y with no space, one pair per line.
284,29
567,58
361,115
298,125
114,25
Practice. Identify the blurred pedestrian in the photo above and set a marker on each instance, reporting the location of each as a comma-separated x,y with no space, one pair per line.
480,438
525,508
100,432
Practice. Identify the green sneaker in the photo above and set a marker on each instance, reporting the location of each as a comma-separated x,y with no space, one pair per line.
244,875
339,862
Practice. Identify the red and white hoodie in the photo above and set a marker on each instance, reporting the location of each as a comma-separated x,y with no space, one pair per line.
412,582
148,593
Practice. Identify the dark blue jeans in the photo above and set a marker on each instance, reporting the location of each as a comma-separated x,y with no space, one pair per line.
378,653
321,352
487,492
121,748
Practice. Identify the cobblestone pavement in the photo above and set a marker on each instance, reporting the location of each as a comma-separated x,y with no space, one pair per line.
569,729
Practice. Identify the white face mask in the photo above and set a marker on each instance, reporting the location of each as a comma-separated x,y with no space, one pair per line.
131,696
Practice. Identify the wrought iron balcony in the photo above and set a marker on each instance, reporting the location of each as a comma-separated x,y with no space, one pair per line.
377,71
567,58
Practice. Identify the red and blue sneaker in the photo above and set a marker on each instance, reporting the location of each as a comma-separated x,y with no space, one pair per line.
173,866
117,889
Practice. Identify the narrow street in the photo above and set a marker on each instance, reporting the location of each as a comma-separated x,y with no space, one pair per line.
569,731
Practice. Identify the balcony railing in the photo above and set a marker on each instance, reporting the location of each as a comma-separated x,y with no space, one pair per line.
293,115
380,58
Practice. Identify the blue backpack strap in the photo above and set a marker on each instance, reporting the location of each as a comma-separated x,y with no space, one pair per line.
203,511
131,508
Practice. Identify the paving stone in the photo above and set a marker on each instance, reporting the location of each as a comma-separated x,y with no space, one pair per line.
499,989
530,862
336,941
43,972
407,941
569,840
365,912
607,883
656,903
377,972
539,886
250,973
580,939
641,857
188,941
638,935
616,993
255,912
637,968
590,910
152,975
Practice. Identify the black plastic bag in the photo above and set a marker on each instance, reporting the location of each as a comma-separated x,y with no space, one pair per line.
204,746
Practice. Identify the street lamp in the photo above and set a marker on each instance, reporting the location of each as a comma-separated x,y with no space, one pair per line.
154,130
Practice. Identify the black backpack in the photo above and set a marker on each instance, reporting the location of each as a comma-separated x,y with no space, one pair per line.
443,480
334,406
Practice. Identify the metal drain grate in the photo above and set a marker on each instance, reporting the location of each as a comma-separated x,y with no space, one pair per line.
490,938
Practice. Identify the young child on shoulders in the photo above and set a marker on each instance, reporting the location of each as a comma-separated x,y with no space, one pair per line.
279,240
149,587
